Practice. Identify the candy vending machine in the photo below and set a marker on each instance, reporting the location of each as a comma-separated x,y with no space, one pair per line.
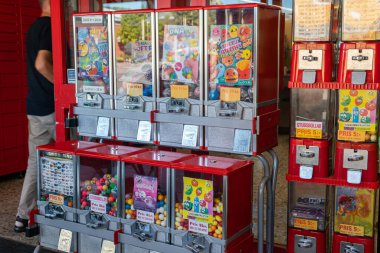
94,82
311,124
146,200
242,78
98,197
56,192
134,61
207,215
179,37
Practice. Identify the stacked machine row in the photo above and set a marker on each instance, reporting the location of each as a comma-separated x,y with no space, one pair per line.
200,78
106,198
333,159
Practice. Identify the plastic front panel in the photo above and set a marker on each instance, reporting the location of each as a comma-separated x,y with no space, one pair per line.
93,63
98,181
358,115
146,201
360,20
134,62
198,203
308,206
57,178
354,211
314,20
312,113
180,75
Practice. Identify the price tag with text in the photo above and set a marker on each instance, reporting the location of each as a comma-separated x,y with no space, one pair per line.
345,135
229,94
144,216
190,136
55,199
351,230
134,89
309,129
145,131
198,227
108,247
103,127
179,91
305,224
64,242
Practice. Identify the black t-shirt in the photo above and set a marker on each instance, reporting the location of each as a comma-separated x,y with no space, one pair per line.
40,99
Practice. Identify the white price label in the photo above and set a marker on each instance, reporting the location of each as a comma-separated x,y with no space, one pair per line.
198,227
103,127
64,242
145,131
92,19
94,89
306,172
242,141
143,216
354,176
108,247
190,135
98,203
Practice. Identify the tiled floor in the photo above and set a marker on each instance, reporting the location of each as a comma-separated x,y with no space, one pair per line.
10,188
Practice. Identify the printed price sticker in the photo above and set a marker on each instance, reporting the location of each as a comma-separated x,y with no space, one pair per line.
351,230
190,136
94,89
98,203
309,129
198,227
305,224
228,94
64,242
145,131
103,127
143,216
179,91
92,19
55,199
108,247
134,89
346,135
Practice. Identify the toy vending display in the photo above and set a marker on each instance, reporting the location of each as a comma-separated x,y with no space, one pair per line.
94,82
312,113
204,188
238,54
56,191
308,218
180,76
354,220
147,203
359,54
98,195
134,49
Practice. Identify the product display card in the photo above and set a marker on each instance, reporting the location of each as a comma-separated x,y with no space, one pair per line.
145,193
57,176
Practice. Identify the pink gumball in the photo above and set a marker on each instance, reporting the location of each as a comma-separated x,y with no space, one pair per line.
84,203
84,193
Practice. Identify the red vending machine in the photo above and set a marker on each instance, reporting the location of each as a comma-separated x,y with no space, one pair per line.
207,215
135,75
242,71
312,124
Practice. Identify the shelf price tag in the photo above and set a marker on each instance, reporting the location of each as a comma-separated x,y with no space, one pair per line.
305,224
179,91
351,230
309,129
64,242
228,94
134,89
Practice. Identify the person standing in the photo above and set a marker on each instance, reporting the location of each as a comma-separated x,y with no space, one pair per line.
39,106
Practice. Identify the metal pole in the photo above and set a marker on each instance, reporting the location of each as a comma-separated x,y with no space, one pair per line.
275,166
260,216
269,210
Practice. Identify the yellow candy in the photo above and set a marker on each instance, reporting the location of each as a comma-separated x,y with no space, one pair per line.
130,201
214,223
160,197
177,224
218,218
218,232
220,228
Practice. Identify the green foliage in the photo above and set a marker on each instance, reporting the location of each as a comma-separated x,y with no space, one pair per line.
132,28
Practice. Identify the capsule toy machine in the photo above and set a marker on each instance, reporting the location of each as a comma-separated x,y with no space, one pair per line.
98,193
308,218
180,87
56,190
146,200
134,61
354,221
94,82
359,53
242,74
207,215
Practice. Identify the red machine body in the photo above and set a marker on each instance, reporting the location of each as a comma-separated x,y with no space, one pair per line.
304,241
356,156
345,243
109,152
70,147
308,152
315,58
359,57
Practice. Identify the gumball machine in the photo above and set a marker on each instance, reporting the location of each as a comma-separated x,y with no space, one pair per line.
207,215
98,195
242,75
308,218
134,74
179,77
94,82
56,189
146,199
354,213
